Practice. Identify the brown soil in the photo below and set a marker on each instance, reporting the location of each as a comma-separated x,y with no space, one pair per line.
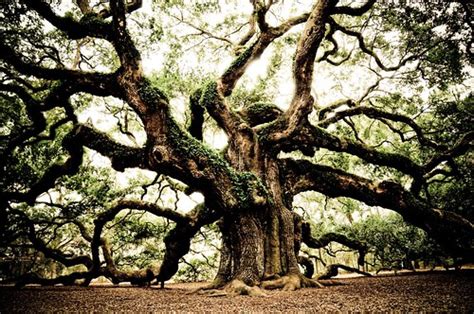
426,292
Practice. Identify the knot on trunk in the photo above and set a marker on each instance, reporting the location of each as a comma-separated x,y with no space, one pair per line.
160,154
260,113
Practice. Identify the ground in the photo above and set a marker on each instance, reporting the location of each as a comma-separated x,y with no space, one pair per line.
427,292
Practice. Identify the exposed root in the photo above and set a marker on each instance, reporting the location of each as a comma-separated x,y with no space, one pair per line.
291,282
238,287
234,288
312,283
216,285
329,283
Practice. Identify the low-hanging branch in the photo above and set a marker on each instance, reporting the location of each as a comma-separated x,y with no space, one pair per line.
48,252
325,239
177,241
302,175
316,137
332,270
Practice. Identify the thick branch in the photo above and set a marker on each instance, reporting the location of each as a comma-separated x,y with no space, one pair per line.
120,155
302,102
123,43
327,238
91,25
311,136
197,115
453,231
178,240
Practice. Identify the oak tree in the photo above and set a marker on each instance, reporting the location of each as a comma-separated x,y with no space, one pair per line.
395,145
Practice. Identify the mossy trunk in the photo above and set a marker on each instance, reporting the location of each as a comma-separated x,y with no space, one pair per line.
260,244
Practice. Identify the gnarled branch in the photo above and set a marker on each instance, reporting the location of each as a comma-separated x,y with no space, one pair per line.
302,175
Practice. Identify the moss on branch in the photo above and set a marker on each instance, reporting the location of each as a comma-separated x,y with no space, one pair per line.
244,189
260,112
151,94
239,62
209,95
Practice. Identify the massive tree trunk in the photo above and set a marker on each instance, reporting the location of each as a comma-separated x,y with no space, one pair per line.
260,246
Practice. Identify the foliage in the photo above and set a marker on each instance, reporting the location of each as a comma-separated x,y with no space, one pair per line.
393,242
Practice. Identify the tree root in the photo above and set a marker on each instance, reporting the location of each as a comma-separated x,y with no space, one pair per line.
333,270
216,285
291,282
234,288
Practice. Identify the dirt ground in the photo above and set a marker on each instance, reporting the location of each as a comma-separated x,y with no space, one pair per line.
426,292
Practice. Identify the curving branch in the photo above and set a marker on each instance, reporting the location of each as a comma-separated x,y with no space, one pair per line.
333,51
151,208
354,11
121,156
373,54
94,265
49,177
311,136
95,81
33,109
464,144
378,114
110,214
177,241
325,239
48,252
91,25
269,34
302,103
302,175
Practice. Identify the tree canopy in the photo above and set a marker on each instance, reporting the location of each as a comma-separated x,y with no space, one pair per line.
134,132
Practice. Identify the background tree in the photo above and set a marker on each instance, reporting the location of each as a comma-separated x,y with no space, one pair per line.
76,79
